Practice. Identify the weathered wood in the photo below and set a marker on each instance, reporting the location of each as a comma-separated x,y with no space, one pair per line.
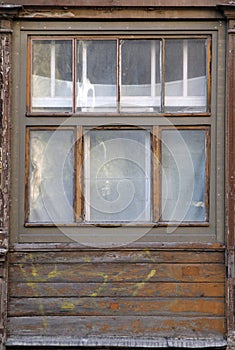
126,342
112,272
130,256
147,289
195,327
121,3
116,306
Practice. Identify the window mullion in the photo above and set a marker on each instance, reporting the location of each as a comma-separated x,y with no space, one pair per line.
53,77
162,73
74,75
156,174
153,69
78,178
208,74
119,43
87,175
185,68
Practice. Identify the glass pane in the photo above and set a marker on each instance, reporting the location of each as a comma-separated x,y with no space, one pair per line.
52,87
117,176
183,175
140,75
51,176
185,75
97,75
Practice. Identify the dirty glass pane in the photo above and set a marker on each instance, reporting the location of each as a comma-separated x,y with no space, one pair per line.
183,175
52,87
117,176
140,75
51,176
185,75
97,75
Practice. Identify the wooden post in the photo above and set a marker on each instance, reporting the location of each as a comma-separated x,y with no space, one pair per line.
229,13
7,14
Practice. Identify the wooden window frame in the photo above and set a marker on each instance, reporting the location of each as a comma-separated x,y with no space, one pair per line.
119,109
155,187
213,118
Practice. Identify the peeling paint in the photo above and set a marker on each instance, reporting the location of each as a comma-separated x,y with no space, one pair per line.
97,293
142,284
53,273
68,306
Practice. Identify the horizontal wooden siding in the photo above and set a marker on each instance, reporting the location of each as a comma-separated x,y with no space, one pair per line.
117,293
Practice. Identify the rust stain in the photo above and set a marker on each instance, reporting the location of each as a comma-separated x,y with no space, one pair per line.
190,271
136,326
114,306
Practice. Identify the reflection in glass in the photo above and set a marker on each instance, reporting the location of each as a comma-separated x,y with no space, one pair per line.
97,75
185,75
117,176
140,75
51,176
52,87
183,175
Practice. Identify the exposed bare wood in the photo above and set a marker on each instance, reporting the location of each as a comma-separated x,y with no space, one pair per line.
148,289
117,256
178,246
117,273
5,114
154,326
119,3
78,198
105,306
119,341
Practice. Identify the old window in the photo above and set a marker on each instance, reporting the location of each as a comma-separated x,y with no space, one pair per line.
120,170
117,175
119,130
140,75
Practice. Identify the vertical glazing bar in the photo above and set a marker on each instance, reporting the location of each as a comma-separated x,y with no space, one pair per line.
156,174
27,183
84,62
74,73
162,73
119,70
185,68
53,68
29,76
207,179
153,68
87,177
208,75
147,176
78,184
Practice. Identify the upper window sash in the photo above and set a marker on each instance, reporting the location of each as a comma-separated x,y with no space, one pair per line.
119,75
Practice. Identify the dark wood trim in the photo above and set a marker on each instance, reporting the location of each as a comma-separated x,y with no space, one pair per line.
78,173
120,3
231,183
5,126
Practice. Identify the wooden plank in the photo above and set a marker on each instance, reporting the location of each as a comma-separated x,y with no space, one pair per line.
75,326
117,273
120,3
116,306
148,289
142,256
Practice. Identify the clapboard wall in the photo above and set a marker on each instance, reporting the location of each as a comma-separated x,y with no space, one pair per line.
84,294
